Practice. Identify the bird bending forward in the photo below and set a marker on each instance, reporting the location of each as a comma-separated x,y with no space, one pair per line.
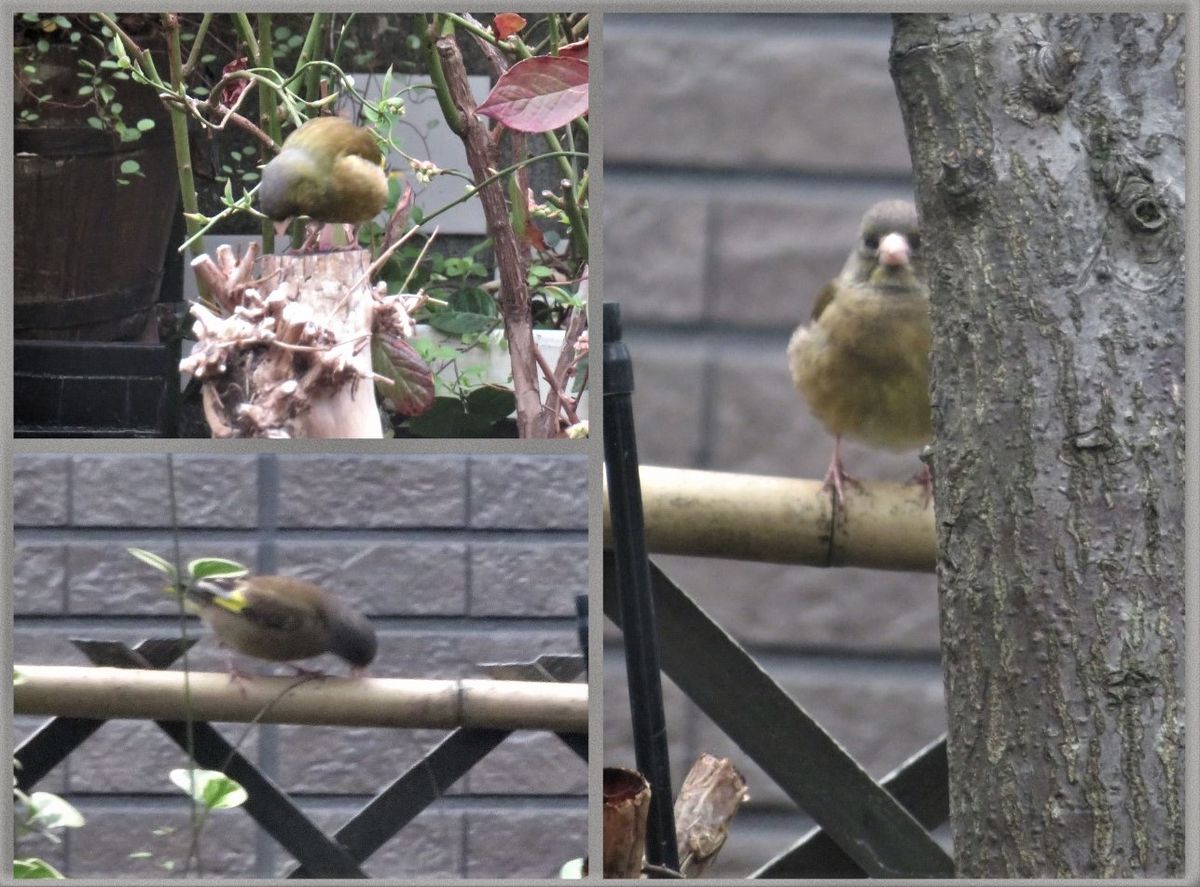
282,619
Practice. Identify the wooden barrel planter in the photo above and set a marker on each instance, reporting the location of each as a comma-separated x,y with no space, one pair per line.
88,252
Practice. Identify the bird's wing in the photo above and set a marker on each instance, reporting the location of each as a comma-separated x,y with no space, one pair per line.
824,297
260,608
335,136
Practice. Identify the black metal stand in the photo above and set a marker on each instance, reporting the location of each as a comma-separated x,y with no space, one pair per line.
633,584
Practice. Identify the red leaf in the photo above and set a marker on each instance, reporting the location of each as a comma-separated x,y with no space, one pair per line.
233,90
576,50
505,24
534,236
539,94
411,388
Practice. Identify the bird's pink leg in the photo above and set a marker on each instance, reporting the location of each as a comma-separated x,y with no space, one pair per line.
924,479
836,477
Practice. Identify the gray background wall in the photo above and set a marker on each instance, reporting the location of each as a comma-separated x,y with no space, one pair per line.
740,153
458,559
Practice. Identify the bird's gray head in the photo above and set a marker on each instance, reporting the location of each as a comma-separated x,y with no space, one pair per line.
352,637
285,182
888,252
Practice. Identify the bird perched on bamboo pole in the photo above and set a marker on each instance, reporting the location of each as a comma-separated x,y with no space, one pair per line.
862,363
329,170
281,619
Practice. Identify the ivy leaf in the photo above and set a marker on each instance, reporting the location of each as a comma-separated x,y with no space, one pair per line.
208,567
539,94
47,811
34,869
149,557
210,788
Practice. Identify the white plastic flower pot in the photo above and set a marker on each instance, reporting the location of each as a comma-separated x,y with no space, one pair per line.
491,353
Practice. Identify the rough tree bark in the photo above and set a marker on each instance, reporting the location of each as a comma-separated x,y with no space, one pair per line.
1049,160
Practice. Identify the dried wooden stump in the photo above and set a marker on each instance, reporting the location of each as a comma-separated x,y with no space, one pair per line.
626,807
710,797
286,349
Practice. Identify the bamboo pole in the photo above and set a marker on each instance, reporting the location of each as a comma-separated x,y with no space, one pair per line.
885,526
123,693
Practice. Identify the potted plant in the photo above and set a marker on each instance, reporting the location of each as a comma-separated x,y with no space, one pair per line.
260,374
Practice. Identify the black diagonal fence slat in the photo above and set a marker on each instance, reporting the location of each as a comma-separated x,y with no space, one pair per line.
50,744
921,784
318,856
266,803
793,749
423,783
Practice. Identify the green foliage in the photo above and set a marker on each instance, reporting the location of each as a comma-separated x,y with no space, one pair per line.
200,568
211,789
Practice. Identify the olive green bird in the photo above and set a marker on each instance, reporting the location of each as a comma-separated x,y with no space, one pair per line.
329,170
862,363
282,619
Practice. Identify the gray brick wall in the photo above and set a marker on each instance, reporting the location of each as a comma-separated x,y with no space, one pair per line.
458,560
740,152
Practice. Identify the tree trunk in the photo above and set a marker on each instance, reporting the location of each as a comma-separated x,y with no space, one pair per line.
1049,160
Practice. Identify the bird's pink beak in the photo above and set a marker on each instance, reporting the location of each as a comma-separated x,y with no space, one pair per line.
894,251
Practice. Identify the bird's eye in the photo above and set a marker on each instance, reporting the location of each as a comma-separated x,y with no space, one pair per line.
871,241
914,241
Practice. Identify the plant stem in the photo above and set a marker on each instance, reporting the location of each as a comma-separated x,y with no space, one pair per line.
197,44
268,118
183,154
312,76
438,77
533,420
242,22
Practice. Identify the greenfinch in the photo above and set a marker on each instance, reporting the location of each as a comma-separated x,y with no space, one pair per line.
282,619
862,363
329,170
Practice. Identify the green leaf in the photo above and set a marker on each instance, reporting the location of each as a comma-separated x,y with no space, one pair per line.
130,167
207,567
460,323
87,89
145,124
473,301
447,418
209,788
491,402
149,557
48,811
580,374
95,123
34,869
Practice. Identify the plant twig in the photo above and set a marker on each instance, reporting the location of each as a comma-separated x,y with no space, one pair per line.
533,420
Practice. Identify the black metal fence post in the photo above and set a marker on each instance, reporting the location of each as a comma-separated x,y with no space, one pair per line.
633,583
